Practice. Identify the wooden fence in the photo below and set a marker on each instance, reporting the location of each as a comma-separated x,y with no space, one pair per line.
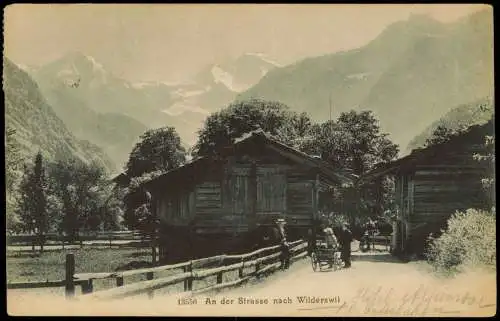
263,261
51,239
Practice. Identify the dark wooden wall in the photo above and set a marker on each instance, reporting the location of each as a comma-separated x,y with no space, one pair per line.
431,191
239,193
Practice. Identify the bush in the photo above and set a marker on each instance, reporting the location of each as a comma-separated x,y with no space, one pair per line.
469,241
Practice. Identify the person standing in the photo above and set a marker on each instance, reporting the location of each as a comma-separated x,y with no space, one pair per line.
371,228
281,240
311,241
345,243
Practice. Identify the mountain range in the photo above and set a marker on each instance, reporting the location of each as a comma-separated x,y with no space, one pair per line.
37,126
112,112
413,73
411,76
458,118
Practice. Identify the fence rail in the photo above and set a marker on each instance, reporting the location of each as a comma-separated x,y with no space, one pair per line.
297,251
97,238
104,236
263,260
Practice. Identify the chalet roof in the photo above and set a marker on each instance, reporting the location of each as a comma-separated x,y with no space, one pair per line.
293,154
120,178
420,154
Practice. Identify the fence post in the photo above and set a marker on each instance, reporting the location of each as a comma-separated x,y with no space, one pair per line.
153,259
87,287
190,279
240,270
188,283
219,277
110,238
70,272
257,265
119,281
150,276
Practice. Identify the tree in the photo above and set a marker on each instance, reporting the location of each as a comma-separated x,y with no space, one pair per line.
352,142
241,117
440,135
82,190
33,202
355,143
488,157
158,149
136,201
40,198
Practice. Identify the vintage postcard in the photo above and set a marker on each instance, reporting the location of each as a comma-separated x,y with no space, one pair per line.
249,160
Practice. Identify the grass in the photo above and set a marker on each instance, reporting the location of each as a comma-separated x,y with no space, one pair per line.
26,267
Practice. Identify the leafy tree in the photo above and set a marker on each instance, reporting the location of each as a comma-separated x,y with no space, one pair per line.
241,117
82,192
25,206
136,201
488,157
440,135
112,209
158,149
33,202
354,143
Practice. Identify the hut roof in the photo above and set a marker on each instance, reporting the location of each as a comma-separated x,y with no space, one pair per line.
341,177
471,135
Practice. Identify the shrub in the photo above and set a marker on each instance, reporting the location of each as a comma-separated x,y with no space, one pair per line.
469,240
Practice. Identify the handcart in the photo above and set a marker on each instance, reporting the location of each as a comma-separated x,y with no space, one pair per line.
322,256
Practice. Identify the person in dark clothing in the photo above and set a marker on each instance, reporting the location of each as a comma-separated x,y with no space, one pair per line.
311,241
280,238
371,228
345,243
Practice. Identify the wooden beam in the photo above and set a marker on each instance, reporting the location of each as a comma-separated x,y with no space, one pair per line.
138,288
315,195
253,195
35,285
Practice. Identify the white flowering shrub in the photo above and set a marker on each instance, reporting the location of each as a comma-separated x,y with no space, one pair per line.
469,240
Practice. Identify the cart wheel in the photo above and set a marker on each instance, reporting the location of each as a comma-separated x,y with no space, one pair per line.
363,246
314,262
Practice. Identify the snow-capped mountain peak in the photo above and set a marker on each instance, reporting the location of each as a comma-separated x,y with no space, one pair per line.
263,57
184,104
221,76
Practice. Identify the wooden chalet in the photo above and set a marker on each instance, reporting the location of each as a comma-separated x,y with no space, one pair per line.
435,182
212,204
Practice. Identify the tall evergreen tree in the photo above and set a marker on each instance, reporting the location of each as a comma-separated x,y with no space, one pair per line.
33,200
40,199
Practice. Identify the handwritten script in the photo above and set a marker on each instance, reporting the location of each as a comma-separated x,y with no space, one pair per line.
422,301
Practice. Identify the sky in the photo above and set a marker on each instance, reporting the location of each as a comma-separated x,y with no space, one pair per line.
171,42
